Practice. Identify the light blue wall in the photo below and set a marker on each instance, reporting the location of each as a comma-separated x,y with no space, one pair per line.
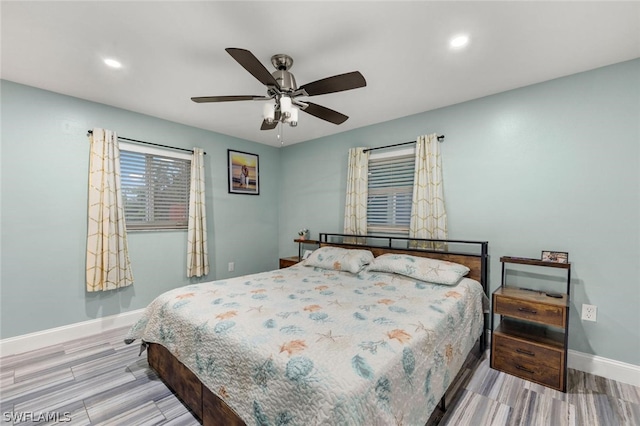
45,157
553,166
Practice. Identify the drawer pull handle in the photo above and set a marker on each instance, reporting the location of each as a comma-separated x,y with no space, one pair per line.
522,351
527,310
519,367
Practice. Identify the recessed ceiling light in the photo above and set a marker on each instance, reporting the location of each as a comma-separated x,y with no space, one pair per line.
113,63
459,41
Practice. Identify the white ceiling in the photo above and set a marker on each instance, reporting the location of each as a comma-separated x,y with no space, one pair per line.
172,51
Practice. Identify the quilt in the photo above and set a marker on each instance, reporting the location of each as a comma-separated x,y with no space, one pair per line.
311,346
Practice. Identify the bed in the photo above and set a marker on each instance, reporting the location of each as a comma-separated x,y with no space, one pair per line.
344,337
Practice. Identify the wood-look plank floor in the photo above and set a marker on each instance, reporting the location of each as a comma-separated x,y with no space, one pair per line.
101,381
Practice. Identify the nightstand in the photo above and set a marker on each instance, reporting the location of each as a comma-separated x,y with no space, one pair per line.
531,339
285,262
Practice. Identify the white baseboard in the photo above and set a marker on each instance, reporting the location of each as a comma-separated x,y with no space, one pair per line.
55,336
604,367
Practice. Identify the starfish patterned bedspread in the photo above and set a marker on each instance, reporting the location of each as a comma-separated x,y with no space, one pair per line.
309,346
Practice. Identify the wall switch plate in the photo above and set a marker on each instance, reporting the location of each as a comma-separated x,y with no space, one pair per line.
232,266
589,312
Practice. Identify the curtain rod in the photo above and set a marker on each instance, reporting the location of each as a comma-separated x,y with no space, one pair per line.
440,139
150,143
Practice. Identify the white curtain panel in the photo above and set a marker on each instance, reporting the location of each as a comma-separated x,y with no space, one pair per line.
197,252
355,209
108,264
428,215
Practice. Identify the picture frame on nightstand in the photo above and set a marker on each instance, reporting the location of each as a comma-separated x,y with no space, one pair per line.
555,256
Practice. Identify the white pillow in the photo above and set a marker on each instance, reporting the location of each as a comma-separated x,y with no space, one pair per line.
420,268
339,259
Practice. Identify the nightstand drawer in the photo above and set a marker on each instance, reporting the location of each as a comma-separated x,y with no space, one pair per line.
528,361
285,262
529,310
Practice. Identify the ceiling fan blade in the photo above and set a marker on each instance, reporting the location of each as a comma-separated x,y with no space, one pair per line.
337,83
253,65
274,123
202,99
325,113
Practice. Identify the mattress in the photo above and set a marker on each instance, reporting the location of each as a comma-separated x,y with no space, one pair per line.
309,346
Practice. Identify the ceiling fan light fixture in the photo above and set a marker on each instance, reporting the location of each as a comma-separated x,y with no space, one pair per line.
285,107
269,112
293,120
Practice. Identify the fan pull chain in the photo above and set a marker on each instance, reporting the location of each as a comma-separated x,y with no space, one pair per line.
280,134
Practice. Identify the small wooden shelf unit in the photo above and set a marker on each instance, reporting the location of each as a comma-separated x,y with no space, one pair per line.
530,341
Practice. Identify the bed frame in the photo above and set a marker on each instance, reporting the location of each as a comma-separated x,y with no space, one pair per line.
213,411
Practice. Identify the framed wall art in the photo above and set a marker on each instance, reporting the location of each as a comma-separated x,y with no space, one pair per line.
555,256
244,173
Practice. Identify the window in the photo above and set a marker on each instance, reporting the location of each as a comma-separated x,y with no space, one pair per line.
390,192
155,187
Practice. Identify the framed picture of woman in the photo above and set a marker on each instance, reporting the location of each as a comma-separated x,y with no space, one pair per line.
244,174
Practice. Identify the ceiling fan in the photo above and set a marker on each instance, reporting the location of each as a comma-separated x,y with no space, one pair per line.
283,92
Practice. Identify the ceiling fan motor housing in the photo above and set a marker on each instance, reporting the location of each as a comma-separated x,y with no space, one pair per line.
286,80
283,63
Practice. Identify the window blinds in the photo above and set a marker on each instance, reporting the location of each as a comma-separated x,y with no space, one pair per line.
390,194
155,190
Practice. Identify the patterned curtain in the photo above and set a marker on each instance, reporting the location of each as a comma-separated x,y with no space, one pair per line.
428,215
108,264
355,209
197,253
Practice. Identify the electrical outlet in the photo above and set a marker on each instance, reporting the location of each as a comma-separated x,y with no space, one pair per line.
232,266
589,312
